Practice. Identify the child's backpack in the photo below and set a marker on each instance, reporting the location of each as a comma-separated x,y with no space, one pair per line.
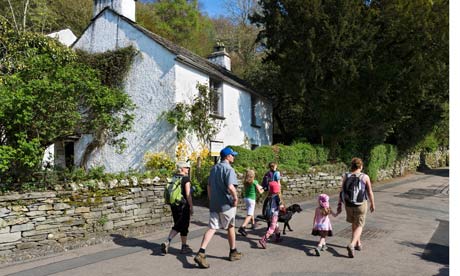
353,190
267,208
173,191
269,176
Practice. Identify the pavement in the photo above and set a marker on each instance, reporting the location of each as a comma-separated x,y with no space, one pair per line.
408,234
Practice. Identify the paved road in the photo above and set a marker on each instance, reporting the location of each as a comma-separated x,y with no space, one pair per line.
407,235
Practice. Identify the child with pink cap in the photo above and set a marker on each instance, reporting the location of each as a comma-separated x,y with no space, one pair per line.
321,224
274,206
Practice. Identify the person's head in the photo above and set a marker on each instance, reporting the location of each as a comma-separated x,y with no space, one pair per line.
274,187
356,163
323,200
228,154
272,166
183,167
249,177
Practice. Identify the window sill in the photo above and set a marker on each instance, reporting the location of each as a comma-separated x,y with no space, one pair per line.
256,126
215,116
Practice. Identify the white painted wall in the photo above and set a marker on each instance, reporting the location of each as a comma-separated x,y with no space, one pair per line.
124,7
237,113
65,36
150,84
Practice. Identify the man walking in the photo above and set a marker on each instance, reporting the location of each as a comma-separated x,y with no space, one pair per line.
223,200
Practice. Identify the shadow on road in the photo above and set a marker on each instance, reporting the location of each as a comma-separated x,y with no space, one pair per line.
437,172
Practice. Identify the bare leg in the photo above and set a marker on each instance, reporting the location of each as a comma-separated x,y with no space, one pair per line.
231,237
246,221
357,230
207,237
183,239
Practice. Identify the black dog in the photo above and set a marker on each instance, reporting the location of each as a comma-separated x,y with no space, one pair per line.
286,217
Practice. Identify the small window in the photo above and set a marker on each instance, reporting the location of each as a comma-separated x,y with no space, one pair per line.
254,146
217,107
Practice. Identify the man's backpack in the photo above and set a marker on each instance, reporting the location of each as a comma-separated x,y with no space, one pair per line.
353,190
173,191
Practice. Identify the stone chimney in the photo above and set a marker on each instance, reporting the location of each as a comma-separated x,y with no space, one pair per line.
220,56
126,8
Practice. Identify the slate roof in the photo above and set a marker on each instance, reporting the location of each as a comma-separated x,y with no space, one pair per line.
186,56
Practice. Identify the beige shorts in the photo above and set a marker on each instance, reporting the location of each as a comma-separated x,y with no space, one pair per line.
357,214
222,220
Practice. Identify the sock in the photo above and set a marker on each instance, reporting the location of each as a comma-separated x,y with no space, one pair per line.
201,250
233,250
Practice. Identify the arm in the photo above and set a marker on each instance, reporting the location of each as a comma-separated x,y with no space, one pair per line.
339,205
370,194
234,193
188,196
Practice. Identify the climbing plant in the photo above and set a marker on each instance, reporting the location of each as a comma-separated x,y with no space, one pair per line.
194,118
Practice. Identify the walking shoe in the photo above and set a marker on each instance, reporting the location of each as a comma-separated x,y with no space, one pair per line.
278,238
234,256
359,247
164,247
242,231
351,251
186,249
263,242
317,249
324,247
200,260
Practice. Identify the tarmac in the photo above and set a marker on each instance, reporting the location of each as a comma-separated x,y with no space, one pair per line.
408,234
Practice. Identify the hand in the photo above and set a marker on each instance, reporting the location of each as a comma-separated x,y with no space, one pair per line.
372,208
235,202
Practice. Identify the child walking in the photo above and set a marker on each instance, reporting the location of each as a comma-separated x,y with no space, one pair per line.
274,205
321,223
250,187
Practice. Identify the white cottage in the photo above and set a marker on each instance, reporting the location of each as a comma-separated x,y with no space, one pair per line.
162,75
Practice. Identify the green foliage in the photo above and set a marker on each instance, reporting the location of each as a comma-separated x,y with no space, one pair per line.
112,66
194,118
381,157
45,96
371,72
159,162
179,21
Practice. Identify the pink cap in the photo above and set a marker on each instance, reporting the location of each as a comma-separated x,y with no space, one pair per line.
274,187
323,200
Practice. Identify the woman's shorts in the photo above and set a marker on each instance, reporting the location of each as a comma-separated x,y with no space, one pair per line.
222,220
357,214
250,206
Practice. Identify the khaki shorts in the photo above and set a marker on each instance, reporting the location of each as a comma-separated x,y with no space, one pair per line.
357,214
222,220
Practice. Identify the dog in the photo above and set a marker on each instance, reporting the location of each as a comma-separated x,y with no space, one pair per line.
285,217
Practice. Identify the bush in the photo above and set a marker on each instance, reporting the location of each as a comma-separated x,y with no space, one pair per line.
160,163
381,157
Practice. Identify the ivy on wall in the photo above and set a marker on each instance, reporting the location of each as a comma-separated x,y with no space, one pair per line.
113,66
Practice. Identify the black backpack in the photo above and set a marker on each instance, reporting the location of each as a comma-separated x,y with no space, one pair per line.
353,191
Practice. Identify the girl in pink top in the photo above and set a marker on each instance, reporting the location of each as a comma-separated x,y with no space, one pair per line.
321,224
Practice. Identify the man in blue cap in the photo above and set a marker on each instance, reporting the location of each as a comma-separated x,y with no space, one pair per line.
223,200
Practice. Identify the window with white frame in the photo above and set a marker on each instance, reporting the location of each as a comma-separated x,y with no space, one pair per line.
217,105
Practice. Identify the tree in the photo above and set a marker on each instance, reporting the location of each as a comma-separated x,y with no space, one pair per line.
46,16
357,72
179,21
45,96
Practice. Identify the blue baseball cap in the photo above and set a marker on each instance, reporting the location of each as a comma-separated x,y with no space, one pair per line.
227,151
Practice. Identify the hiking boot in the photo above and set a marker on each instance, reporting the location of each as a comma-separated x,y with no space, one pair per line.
186,249
200,260
242,231
278,238
164,247
324,247
263,242
317,249
234,256
351,251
